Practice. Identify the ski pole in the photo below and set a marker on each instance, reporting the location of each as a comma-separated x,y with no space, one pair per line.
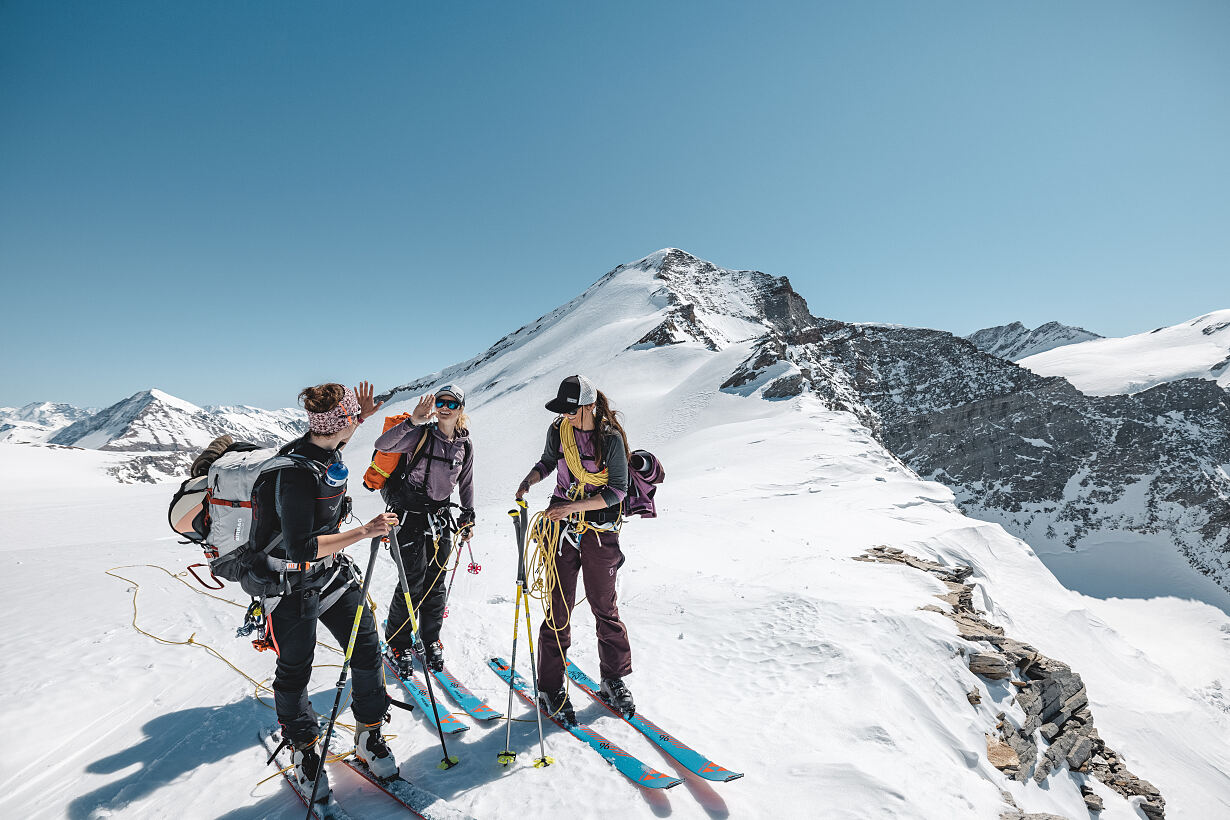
447,762
341,681
519,516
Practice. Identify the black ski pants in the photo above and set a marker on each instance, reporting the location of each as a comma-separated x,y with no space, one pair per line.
427,564
292,628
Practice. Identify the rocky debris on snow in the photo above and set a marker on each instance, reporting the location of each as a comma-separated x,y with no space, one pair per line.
150,468
1052,696
990,665
974,697
1092,801
1015,813
1001,755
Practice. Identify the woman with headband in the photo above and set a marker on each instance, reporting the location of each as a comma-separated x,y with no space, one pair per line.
311,504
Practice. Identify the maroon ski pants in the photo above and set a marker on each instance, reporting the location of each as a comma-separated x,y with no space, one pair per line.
598,560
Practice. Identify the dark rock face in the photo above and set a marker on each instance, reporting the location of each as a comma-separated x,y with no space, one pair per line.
1019,445
679,326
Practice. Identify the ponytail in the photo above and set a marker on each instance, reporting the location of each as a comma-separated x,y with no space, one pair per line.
607,420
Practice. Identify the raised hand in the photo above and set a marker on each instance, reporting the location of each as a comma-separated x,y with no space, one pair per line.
424,410
367,402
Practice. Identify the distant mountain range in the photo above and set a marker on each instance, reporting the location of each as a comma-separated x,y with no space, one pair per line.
162,433
1019,445
38,421
1197,349
1015,341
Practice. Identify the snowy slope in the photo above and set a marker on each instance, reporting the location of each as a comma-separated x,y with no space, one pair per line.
756,638
1198,349
1015,341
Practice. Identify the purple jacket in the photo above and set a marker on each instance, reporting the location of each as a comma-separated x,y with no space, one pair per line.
614,457
449,468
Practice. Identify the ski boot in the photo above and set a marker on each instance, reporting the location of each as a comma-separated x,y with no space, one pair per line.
405,661
433,656
615,692
371,747
558,706
307,765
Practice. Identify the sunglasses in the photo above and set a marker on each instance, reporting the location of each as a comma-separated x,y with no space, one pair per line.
451,404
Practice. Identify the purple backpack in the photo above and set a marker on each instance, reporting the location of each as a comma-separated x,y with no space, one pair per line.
644,474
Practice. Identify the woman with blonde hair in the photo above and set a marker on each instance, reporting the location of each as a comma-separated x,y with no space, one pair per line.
439,459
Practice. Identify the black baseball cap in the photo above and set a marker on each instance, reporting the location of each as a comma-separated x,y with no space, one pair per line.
574,392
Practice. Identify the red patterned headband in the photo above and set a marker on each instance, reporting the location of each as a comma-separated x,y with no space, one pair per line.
346,412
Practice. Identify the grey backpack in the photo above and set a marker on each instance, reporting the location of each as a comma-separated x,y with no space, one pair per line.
219,510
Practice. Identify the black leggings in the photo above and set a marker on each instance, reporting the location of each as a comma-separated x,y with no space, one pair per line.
427,566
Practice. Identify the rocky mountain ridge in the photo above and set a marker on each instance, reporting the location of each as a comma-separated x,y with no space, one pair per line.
1029,451
1032,451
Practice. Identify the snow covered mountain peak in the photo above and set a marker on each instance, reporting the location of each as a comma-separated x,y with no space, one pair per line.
1014,341
669,297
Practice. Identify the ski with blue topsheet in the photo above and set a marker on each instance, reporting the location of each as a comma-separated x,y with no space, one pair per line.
632,768
692,760
475,706
417,690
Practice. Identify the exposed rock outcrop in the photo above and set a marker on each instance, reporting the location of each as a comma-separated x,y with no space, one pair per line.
1049,693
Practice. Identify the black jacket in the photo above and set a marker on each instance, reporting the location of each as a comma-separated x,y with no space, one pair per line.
305,507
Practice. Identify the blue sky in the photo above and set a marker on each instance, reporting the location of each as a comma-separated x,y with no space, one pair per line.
232,200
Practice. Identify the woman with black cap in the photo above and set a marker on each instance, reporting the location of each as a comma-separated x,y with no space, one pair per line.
439,458
588,451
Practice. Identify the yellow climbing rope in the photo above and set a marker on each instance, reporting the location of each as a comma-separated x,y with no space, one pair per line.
572,457
258,686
